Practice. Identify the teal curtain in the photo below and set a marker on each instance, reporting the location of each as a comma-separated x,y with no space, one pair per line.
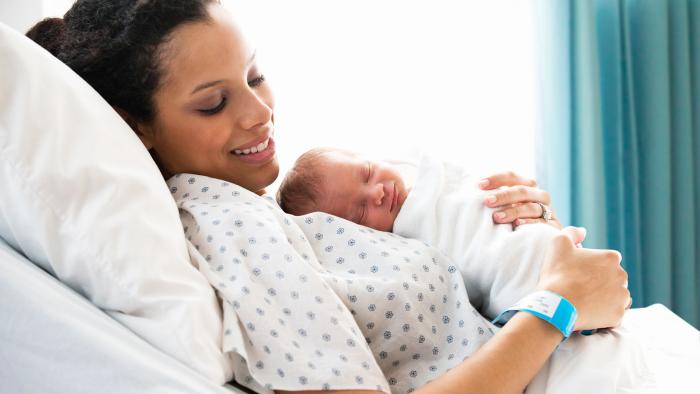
619,141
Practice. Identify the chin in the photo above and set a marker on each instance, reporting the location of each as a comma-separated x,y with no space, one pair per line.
267,175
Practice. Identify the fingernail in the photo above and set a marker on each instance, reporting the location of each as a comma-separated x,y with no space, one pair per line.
490,199
500,215
483,183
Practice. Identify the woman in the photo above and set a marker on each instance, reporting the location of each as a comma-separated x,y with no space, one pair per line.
183,77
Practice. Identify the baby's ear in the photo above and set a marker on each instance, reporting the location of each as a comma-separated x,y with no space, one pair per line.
143,131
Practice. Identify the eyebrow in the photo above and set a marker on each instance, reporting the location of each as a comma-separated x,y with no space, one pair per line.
218,81
206,85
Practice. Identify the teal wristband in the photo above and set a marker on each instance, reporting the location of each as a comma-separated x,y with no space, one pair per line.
548,306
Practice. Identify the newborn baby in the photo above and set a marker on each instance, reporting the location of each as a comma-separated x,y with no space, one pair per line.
443,208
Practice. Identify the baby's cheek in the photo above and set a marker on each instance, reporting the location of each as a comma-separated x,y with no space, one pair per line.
384,221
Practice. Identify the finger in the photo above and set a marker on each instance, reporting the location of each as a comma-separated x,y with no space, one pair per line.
523,221
613,256
515,195
505,179
554,223
518,211
576,234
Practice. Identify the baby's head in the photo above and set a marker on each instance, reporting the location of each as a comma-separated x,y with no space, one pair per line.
344,184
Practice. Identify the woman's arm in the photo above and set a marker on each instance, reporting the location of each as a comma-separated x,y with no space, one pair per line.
505,364
592,280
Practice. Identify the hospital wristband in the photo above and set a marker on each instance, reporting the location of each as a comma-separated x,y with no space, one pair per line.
548,306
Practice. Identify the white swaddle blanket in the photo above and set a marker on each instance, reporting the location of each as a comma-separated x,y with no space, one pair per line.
653,351
445,209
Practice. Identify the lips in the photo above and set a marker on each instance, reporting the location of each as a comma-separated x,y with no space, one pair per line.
250,154
253,147
394,199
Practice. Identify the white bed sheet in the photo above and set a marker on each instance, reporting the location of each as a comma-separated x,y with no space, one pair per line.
52,340
653,352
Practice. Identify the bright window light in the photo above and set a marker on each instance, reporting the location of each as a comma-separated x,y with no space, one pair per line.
453,78
388,78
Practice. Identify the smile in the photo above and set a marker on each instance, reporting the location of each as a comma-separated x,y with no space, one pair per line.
256,152
260,147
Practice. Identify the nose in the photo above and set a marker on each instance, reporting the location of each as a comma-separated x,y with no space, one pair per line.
376,194
255,111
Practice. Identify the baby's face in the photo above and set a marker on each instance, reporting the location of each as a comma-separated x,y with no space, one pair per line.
366,192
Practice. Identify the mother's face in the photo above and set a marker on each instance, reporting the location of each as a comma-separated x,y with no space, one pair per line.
214,110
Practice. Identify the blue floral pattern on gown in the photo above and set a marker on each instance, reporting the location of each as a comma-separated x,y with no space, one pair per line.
316,302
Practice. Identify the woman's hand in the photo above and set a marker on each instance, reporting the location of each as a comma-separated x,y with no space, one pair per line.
592,280
518,200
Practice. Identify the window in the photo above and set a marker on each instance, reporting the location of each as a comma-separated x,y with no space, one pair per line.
453,78
456,79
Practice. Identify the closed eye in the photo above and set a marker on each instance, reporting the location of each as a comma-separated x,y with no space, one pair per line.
257,81
369,172
215,110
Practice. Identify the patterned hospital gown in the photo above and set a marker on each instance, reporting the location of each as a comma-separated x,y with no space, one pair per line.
316,302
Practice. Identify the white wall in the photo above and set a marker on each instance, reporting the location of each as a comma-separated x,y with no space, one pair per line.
23,14
20,14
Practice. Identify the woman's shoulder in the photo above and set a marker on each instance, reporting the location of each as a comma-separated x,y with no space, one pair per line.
202,194
201,189
181,184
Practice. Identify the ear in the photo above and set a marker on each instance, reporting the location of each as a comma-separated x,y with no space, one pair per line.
144,132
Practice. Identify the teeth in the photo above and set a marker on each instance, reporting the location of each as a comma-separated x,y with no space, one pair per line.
255,149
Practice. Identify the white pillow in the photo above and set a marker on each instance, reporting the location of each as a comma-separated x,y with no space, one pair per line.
81,197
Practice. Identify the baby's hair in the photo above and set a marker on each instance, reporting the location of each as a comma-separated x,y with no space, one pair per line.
300,191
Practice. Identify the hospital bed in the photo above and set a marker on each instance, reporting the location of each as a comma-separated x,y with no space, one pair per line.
52,340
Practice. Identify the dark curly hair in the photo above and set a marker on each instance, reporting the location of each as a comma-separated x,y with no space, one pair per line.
116,45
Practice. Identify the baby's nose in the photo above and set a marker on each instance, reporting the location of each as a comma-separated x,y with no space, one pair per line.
378,193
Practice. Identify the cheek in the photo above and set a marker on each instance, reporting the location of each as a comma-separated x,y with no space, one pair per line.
204,133
380,220
192,143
